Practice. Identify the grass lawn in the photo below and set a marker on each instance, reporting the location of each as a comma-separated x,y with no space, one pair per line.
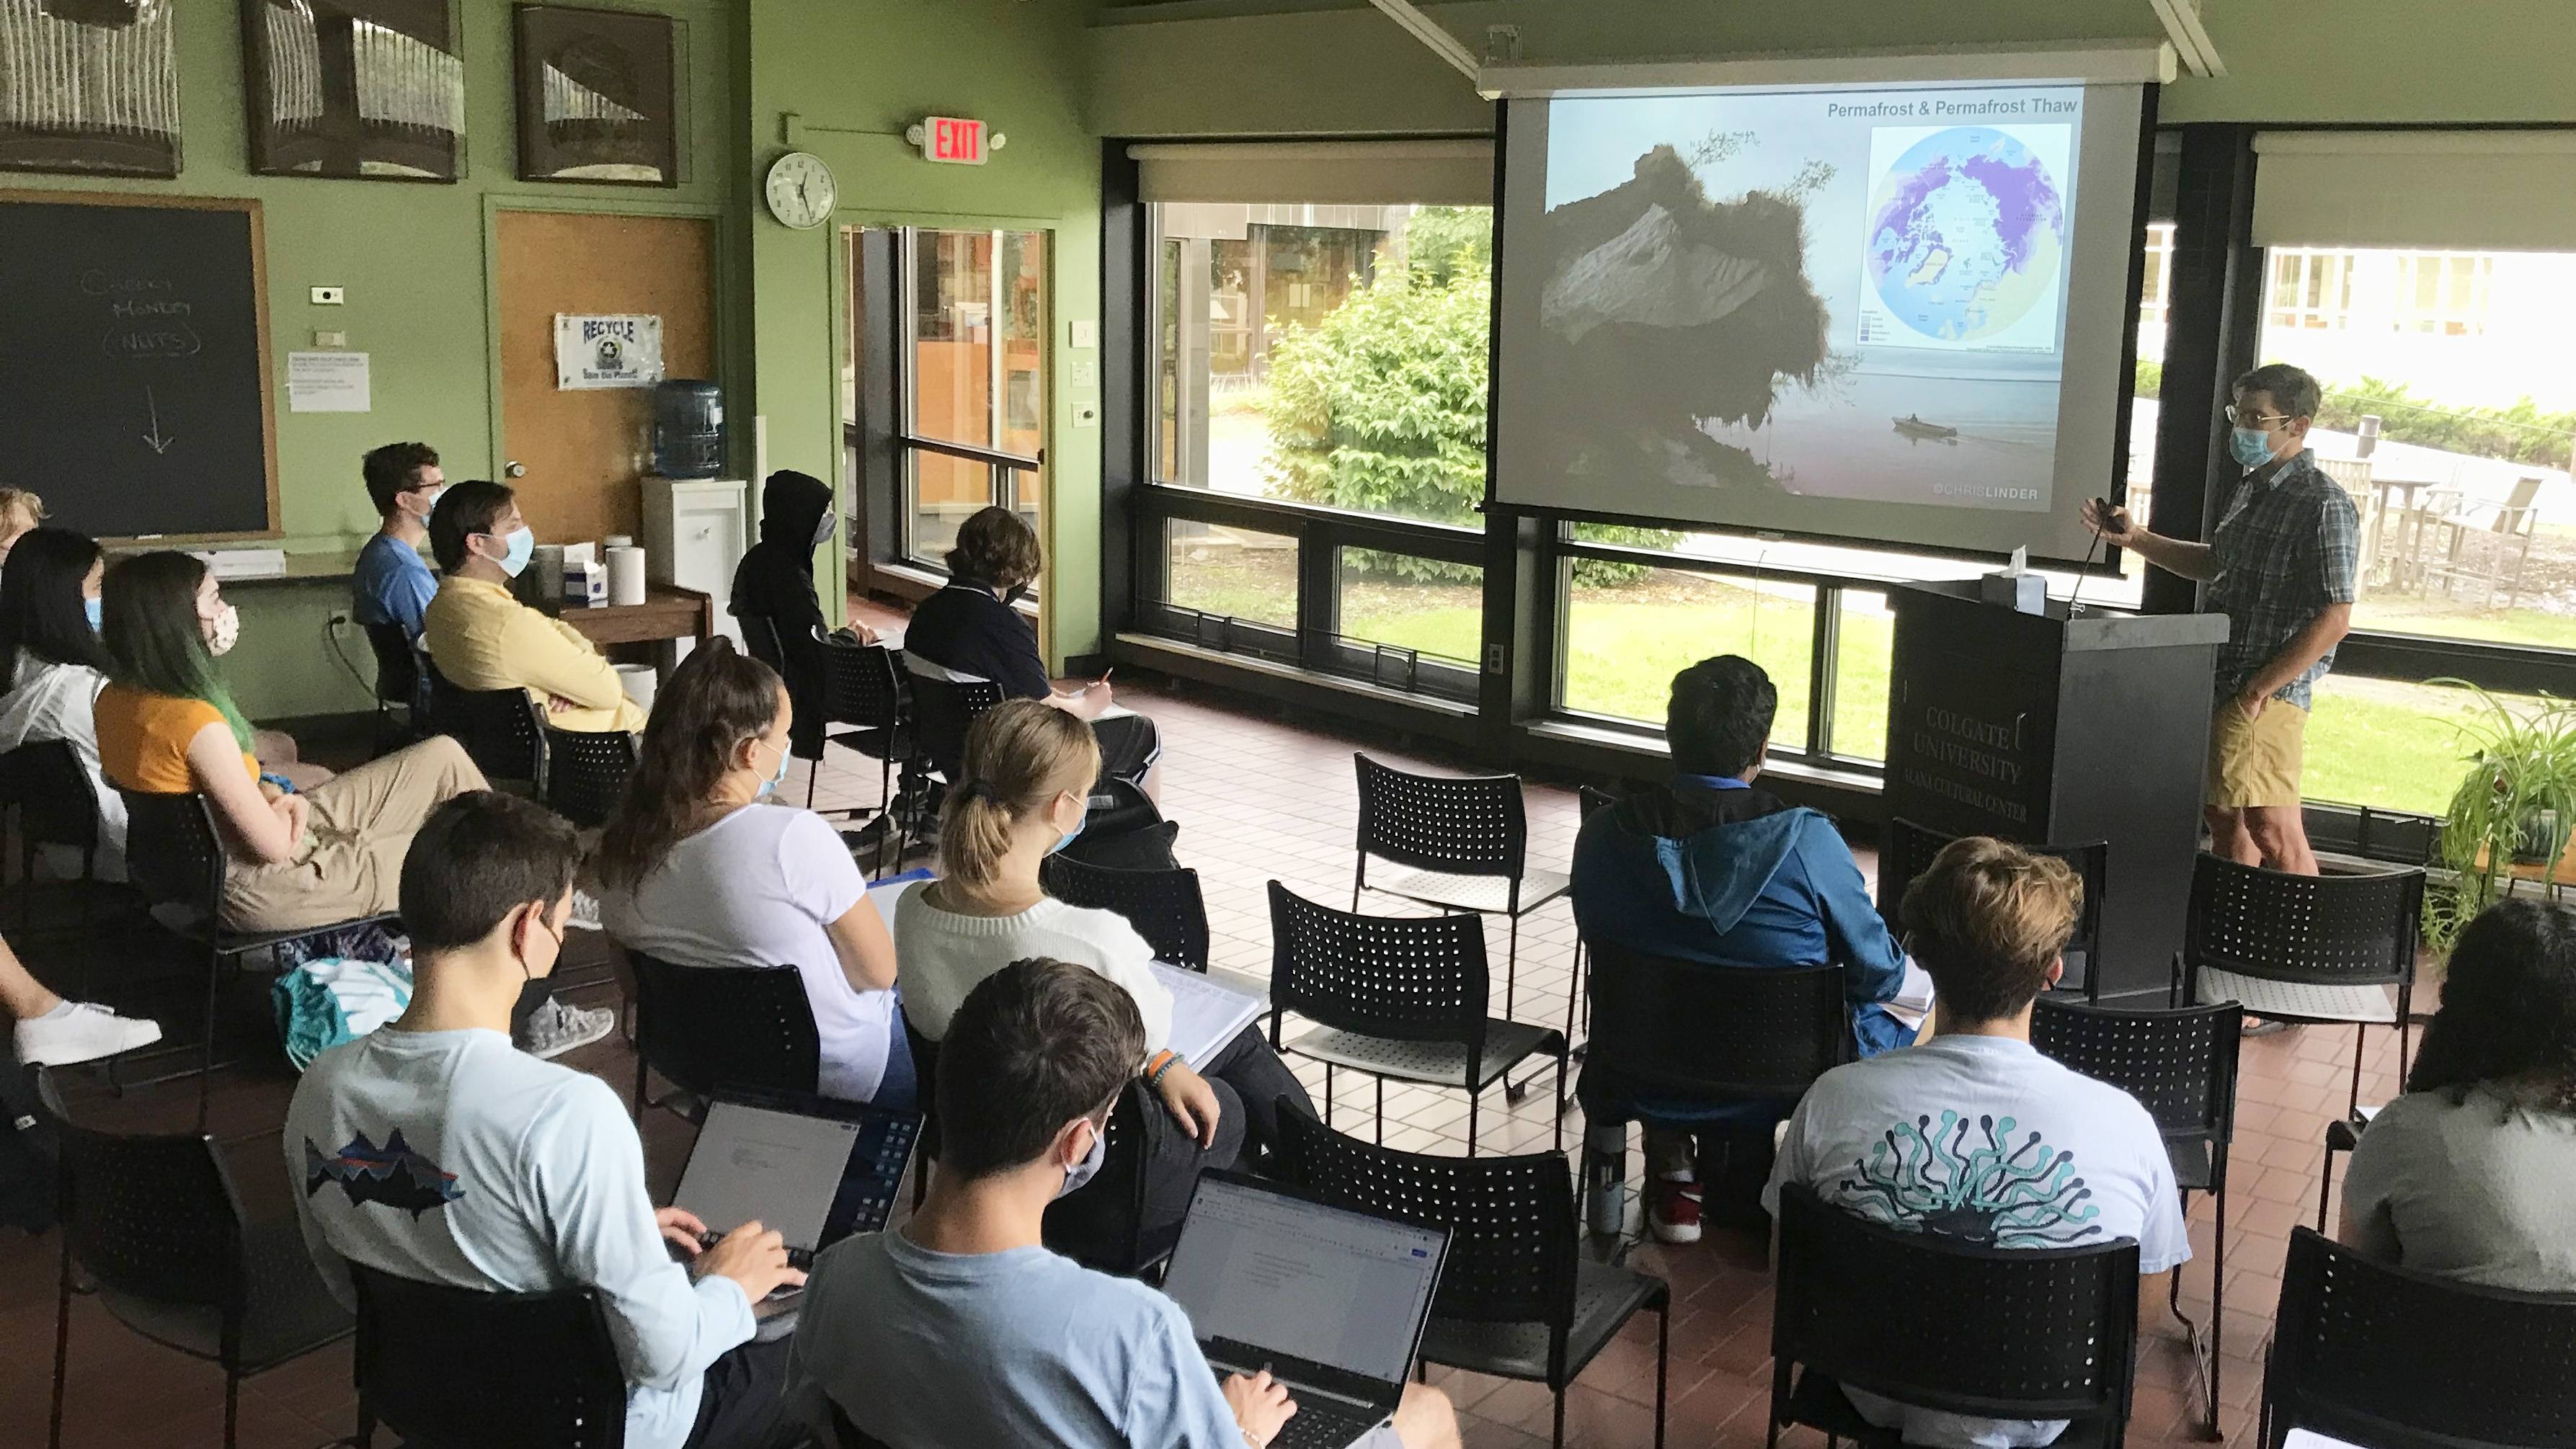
2373,742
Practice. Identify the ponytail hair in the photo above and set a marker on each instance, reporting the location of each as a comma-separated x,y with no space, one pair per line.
1020,755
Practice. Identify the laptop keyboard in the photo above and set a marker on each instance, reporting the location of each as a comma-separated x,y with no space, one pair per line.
1319,1424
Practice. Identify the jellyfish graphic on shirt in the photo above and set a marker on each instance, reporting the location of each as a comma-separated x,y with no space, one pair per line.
1975,1183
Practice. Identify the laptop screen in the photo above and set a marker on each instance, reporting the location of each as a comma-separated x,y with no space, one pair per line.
816,1175
1304,1280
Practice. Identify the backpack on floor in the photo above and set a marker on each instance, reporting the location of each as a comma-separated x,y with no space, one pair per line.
30,1152
1123,831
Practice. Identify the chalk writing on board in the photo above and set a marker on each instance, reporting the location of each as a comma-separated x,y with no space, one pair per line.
145,319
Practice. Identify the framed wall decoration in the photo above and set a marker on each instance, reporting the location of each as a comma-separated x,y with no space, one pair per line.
354,88
88,86
597,95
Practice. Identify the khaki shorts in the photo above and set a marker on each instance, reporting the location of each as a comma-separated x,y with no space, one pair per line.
2256,761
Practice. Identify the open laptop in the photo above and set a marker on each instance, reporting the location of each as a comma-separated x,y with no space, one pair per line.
1330,1300
814,1169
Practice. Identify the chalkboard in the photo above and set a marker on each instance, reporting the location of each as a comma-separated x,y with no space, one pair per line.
134,368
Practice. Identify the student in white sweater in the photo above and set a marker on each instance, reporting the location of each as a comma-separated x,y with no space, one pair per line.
1025,791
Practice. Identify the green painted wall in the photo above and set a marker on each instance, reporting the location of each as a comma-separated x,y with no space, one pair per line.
856,73
412,257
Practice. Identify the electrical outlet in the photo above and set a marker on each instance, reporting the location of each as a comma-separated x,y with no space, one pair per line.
330,296
1494,659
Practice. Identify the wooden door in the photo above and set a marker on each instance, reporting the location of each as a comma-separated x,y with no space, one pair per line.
585,450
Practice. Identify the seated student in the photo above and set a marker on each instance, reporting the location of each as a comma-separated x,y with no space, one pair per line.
2472,1173
52,1032
482,638
969,629
959,1329
526,1177
53,667
774,583
1022,796
393,584
1714,868
699,872
20,512
2085,1164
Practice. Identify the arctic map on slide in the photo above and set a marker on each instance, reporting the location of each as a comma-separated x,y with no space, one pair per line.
1965,233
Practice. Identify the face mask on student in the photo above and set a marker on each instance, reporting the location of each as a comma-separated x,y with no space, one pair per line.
2252,446
1069,837
1089,1167
776,779
428,500
823,530
522,542
224,630
91,607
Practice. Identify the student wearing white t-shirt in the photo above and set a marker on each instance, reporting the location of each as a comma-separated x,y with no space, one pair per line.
1973,1134
433,1150
52,667
700,867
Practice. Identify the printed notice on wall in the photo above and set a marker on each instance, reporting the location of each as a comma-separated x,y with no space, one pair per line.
327,382
618,350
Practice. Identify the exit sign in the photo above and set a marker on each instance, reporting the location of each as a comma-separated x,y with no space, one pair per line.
952,139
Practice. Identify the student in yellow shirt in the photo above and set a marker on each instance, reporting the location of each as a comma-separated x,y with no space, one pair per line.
482,638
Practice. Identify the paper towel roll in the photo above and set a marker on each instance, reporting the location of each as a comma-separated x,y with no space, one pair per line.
639,681
626,576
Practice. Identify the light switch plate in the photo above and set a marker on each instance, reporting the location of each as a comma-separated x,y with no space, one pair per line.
330,296
1083,372
330,339
1085,332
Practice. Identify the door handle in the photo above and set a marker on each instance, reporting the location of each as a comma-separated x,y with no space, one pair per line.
514,469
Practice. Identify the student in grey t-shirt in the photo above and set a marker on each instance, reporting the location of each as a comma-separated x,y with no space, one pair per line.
2472,1173
960,1328
1973,1134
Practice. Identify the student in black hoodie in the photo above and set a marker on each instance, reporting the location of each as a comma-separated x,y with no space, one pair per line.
773,590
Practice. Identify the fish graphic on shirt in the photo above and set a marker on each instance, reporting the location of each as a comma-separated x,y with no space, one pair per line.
393,1174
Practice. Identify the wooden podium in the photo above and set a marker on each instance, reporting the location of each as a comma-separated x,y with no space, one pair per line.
2051,730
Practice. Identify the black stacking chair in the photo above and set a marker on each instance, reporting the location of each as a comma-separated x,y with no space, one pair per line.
57,805
705,1027
502,730
942,711
1402,997
2181,1065
863,688
2376,1354
1517,1299
1908,848
1101,1224
2307,948
154,1227
542,1369
1589,802
1691,1031
1462,844
174,857
399,685
1946,1323
1165,906
586,773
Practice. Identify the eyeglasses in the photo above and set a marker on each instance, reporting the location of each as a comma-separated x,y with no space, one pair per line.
2264,418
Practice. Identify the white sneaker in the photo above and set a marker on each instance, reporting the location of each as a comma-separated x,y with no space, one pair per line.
558,1027
585,912
81,1031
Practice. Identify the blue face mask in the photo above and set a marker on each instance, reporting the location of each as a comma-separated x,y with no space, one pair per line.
1074,834
777,779
2252,446
91,608
523,547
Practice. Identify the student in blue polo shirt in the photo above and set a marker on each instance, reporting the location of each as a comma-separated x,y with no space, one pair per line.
393,584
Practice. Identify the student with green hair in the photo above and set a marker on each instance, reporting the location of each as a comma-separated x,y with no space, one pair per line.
167,725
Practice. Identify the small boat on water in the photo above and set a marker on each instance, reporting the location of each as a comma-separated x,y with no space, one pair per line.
1913,426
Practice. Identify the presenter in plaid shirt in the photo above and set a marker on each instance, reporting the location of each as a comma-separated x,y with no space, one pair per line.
2281,566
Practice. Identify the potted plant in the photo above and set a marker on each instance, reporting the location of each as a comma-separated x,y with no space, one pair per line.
2516,803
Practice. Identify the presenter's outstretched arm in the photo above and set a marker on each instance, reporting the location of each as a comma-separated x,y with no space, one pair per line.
2173,555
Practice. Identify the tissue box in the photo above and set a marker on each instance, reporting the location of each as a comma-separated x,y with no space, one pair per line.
2022,593
585,584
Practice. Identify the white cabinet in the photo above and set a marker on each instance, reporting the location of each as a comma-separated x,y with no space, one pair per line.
695,532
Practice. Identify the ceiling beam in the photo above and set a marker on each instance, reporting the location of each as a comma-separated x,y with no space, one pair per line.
1427,30
2191,42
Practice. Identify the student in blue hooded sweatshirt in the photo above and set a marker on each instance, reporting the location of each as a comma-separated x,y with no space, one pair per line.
1713,868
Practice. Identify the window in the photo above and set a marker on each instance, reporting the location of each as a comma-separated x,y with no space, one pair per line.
2443,292
974,380
2311,289
2389,744
2158,248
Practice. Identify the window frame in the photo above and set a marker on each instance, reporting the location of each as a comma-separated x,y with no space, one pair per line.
1002,466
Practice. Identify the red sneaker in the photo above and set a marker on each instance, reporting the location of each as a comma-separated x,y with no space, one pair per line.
1672,1210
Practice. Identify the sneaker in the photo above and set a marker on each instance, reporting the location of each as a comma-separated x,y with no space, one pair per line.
1672,1210
2264,1026
558,1027
81,1031
585,912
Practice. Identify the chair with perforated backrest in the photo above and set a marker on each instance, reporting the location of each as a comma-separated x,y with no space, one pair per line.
705,1027
175,859
586,773
1402,997
1906,850
2306,948
1947,1322
156,1228
1588,802
1166,907
399,683
502,730
2181,1066
2372,1353
1462,843
1517,1297
863,688
942,711
541,1366
57,805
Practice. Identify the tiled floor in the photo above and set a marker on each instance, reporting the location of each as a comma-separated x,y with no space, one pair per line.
1257,800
